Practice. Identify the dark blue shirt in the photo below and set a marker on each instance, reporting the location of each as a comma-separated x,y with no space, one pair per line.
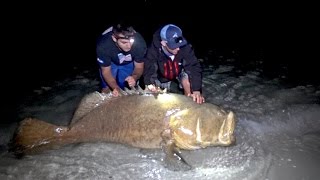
107,51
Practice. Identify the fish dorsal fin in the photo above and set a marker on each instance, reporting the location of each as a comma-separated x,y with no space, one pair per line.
140,90
134,90
95,99
127,91
123,92
88,103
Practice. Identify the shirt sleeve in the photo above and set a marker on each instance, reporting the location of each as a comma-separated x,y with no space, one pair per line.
192,67
150,66
140,48
103,56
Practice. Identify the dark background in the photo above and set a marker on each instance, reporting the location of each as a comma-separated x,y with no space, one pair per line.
45,41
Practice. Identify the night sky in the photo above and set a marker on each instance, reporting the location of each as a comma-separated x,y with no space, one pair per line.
44,41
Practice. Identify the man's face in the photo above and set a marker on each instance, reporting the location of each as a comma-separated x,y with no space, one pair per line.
125,44
172,51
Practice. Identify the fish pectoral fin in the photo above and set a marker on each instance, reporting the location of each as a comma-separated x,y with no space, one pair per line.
173,159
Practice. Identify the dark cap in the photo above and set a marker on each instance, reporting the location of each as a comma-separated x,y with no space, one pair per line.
173,35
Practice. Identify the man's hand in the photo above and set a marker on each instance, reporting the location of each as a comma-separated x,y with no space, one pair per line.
131,81
116,92
197,97
152,88
155,89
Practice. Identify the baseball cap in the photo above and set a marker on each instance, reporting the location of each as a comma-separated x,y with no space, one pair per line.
173,35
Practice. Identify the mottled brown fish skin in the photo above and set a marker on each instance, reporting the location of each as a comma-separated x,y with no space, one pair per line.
143,121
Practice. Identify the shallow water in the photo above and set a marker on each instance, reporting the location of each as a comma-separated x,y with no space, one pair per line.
277,135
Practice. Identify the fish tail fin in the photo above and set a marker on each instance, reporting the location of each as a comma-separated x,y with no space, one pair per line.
34,135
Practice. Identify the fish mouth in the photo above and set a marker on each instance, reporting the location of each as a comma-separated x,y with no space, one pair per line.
181,143
226,134
191,132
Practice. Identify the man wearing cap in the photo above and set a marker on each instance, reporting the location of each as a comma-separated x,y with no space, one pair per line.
120,52
170,58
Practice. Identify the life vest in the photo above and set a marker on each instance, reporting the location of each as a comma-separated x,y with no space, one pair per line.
171,69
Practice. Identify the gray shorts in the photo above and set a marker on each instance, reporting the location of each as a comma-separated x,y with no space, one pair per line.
182,75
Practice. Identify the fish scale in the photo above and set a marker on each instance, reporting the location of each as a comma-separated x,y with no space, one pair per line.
137,118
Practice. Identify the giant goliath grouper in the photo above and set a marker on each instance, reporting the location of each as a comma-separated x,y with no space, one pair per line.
169,121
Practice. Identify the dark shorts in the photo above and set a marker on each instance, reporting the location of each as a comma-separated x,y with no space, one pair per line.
166,85
120,73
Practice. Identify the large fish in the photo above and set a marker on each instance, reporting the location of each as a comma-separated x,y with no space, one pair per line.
144,120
